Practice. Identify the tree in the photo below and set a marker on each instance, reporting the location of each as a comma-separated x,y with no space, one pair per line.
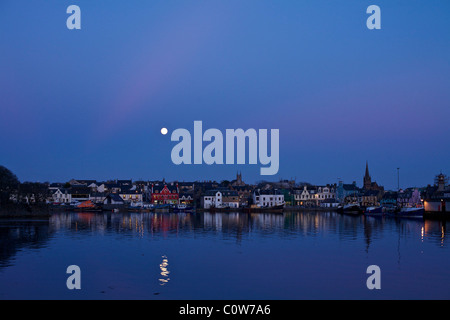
33,192
225,183
8,184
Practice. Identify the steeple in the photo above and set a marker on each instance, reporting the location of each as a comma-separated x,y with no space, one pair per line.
367,175
238,181
367,181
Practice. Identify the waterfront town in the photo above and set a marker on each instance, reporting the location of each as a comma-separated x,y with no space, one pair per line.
231,195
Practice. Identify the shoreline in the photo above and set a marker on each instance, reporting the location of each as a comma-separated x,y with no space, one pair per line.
267,210
24,211
45,211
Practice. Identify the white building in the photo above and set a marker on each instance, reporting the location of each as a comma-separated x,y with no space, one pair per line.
268,198
61,195
102,188
212,199
329,203
314,195
220,199
307,195
325,192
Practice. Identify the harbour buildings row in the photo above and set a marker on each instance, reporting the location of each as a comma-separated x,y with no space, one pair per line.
237,193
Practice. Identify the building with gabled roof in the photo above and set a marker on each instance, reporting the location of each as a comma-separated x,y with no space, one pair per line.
268,198
80,192
220,198
164,194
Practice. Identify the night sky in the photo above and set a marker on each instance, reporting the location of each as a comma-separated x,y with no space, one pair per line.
90,103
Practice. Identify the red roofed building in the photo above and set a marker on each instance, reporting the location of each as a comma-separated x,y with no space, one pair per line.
164,195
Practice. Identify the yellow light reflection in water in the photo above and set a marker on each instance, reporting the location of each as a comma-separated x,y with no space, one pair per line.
164,271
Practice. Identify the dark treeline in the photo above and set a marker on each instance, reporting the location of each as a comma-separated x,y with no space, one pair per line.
17,197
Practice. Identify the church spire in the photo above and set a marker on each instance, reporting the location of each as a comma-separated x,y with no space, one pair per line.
367,175
367,181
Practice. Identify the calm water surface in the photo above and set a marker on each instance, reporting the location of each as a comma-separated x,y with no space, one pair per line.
223,256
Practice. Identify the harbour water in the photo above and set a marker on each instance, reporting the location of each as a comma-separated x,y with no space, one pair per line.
159,256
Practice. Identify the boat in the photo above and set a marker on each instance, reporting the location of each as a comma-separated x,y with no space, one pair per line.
140,207
258,209
350,208
162,207
135,207
182,208
412,212
87,206
222,209
374,211
390,209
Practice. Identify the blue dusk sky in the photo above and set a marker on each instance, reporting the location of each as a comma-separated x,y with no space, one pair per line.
90,103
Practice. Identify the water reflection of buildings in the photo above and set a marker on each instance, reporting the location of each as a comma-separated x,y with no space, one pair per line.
435,230
239,225
17,234
129,223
